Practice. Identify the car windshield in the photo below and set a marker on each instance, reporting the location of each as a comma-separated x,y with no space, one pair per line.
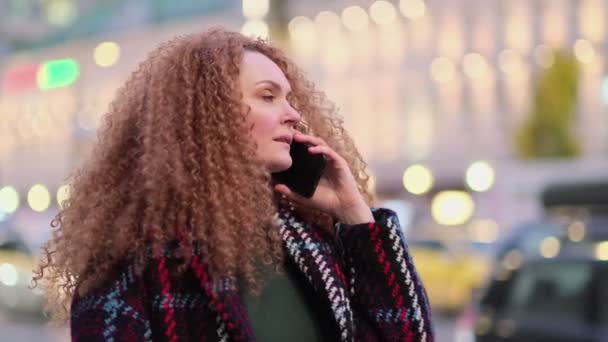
527,238
551,290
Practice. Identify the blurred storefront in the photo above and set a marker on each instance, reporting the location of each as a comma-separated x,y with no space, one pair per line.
436,84
443,85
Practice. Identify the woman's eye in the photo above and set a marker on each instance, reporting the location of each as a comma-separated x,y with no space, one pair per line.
268,98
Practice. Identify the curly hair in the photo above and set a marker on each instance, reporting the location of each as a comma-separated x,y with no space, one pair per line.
166,166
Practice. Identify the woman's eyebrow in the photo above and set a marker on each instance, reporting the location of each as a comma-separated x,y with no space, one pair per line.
274,85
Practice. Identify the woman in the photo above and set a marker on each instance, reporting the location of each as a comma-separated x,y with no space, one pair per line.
175,230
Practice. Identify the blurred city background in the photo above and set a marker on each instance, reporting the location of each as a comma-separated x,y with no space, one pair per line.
484,122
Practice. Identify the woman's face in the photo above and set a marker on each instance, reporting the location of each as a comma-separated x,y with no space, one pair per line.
265,90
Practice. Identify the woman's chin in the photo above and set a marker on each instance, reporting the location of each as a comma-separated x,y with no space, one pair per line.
280,165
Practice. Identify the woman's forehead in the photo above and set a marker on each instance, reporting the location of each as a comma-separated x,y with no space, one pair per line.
257,67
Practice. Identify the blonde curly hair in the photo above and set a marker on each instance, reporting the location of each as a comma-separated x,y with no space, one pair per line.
166,166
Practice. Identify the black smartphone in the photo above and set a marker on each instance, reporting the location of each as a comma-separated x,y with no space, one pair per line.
305,172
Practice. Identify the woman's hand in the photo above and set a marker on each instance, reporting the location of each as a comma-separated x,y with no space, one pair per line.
337,192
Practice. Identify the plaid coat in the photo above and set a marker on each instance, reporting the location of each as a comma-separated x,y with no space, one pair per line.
364,273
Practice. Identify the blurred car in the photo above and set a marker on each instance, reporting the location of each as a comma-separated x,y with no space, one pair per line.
451,273
17,263
551,279
547,299
526,237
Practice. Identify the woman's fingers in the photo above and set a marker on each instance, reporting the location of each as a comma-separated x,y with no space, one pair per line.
329,153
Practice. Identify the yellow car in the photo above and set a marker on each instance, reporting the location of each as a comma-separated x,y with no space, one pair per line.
16,271
451,274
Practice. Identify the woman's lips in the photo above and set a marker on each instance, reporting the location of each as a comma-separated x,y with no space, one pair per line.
284,139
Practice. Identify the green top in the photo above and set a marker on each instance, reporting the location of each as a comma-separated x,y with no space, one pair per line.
288,309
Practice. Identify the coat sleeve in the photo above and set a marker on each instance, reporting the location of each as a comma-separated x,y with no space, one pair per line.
113,312
384,285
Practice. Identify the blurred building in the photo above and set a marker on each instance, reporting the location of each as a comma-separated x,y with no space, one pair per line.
444,84
440,83
448,82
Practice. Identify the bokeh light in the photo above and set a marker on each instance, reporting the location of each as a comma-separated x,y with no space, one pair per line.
512,260
576,231
301,25
452,208
39,198
584,51
382,12
355,18
106,54
8,274
61,12
412,9
9,200
255,9
256,28
549,247
418,179
480,176
601,250
328,21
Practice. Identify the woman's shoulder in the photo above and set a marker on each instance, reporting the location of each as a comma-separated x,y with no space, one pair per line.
125,271
135,275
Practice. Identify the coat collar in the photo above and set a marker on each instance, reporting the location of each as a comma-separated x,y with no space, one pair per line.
313,254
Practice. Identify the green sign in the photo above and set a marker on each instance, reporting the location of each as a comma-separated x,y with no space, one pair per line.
57,73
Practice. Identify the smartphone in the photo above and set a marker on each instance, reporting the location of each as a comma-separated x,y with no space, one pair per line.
305,172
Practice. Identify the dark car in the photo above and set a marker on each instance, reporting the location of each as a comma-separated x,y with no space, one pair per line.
551,279
561,299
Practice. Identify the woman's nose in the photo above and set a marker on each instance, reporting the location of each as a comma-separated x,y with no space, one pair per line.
292,115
